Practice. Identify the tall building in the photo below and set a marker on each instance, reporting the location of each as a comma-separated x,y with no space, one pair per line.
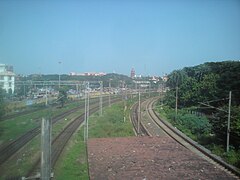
132,73
7,78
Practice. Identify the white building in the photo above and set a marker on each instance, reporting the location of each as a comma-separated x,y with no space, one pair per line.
7,78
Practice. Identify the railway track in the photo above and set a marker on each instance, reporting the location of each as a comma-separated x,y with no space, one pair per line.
9,149
25,112
182,139
61,140
134,119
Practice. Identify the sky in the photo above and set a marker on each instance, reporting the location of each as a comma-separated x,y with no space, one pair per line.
151,36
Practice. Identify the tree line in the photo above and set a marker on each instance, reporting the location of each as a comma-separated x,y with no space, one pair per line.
209,83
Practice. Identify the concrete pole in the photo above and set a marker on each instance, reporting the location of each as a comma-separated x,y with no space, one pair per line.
100,103
77,91
139,112
45,149
229,118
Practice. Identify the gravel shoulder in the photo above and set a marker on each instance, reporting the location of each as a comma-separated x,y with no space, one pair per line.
147,158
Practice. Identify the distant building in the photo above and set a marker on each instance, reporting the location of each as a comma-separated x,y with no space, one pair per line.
132,73
7,78
165,78
87,74
154,79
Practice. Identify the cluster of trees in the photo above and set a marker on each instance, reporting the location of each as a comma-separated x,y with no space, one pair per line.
209,83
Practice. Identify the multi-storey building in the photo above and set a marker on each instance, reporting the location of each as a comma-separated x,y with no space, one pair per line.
7,78
132,73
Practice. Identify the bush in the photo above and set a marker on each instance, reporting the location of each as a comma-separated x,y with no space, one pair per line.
190,124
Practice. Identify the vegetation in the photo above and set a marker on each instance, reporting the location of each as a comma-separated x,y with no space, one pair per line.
2,104
196,127
208,84
74,160
111,124
115,79
14,127
62,96
31,152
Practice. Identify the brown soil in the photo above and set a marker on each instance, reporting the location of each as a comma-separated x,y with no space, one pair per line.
147,158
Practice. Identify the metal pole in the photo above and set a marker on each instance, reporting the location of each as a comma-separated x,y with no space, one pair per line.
162,93
88,110
46,103
45,149
109,98
59,80
85,112
149,89
59,76
139,111
125,105
229,118
176,108
100,103
24,90
159,90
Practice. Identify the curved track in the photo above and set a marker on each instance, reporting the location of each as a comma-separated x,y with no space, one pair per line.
134,118
184,140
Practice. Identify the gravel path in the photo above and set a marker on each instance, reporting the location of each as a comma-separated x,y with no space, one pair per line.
147,158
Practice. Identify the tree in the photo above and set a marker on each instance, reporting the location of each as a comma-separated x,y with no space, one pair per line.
2,104
176,78
210,83
62,97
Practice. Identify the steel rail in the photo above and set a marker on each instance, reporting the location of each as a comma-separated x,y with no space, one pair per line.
10,149
60,141
182,138
134,119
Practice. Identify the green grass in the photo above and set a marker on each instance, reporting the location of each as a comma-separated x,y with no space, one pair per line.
59,126
111,124
22,161
195,127
13,128
204,138
73,163
232,156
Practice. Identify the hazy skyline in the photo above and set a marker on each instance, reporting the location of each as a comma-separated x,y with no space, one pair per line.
154,37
